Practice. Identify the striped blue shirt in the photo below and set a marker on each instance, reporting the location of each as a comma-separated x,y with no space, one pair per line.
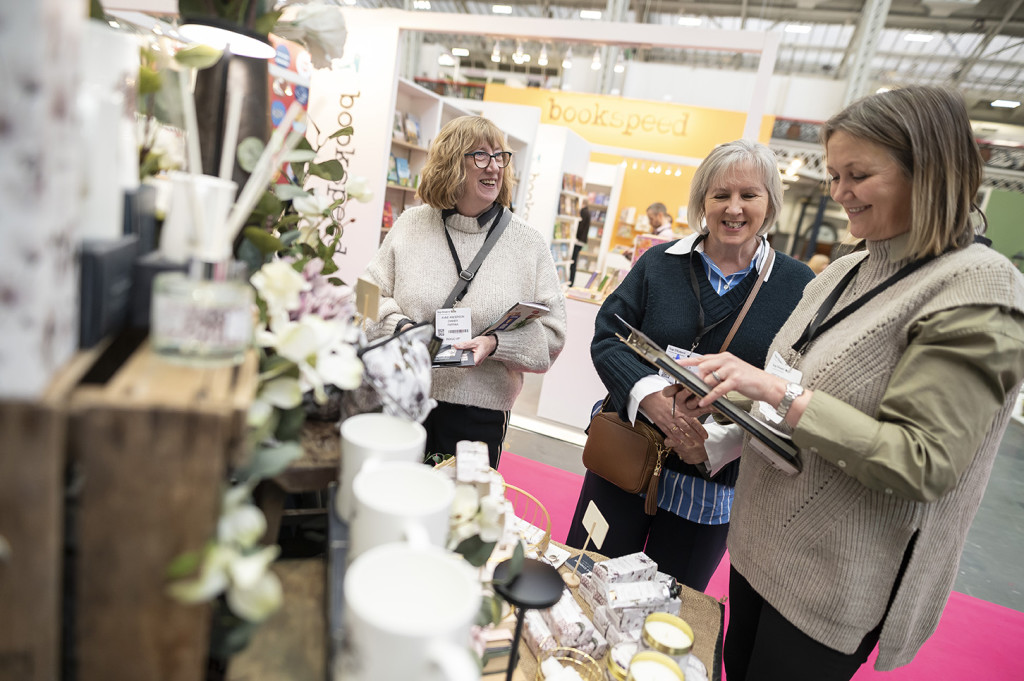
723,283
695,499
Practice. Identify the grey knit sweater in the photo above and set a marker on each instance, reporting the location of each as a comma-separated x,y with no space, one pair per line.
416,272
821,547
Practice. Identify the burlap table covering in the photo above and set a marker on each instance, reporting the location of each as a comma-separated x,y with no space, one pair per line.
702,612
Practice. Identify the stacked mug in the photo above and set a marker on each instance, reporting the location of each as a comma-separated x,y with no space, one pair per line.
409,603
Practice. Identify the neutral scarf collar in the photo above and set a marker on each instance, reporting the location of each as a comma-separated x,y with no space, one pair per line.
467,224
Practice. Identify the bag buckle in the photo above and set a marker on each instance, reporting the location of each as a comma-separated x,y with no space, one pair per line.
466,275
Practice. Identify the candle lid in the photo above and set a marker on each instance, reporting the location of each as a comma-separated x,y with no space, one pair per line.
661,666
667,634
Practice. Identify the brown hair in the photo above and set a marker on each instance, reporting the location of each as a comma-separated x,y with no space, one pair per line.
927,132
444,174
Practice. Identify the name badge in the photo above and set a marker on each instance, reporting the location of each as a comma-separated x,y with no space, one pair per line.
778,367
453,325
676,352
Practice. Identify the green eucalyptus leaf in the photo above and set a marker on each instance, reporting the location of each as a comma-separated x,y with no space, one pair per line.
291,424
249,151
288,238
265,23
198,56
489,612
265,242
96,10
338,282
329,170
150,81
269,460
329,267
299,170
288,220
184,564
515,563
287,192
475,550
269,204
251,256
347,130
299,156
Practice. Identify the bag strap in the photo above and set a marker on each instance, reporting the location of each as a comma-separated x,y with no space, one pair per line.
467,274
769,261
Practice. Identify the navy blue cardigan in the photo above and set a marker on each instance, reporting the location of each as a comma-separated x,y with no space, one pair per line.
657,297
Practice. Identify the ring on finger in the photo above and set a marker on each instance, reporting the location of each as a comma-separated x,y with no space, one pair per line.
717,377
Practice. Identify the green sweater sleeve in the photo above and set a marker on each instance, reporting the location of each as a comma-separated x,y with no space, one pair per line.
954,377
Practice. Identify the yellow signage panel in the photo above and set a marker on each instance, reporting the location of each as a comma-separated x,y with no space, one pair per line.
642,125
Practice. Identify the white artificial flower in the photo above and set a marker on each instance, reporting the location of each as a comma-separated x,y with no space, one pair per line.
339,366
309,234
246,571
283,392
461,532
358,188
319,28
279,286
242,525
492,517
211,580
320,348
312,204
257,602
465,505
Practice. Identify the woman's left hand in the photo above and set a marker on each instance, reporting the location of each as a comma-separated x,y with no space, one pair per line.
482,347
724,372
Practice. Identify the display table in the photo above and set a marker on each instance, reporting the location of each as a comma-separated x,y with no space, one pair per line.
292,644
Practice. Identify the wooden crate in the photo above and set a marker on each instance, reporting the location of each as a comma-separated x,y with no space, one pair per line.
32,457
153,445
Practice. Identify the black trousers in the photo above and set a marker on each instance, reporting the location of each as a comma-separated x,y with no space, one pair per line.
688,551
763,645
449,423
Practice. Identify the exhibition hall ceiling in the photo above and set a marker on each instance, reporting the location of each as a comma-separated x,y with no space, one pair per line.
976,46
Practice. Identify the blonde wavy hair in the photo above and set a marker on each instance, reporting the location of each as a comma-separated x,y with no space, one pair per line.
724,159
444,174
927,132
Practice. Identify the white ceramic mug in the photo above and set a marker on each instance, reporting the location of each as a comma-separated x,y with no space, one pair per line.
408,612
399,501
374,436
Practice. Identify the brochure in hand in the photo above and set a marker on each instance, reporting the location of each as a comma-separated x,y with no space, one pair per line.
448,356
778,449
517,316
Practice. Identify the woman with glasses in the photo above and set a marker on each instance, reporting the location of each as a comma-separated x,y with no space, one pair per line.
466,187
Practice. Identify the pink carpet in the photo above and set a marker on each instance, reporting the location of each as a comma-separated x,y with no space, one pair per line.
976,640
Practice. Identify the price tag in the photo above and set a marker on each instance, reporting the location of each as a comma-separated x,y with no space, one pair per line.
595,524
453,325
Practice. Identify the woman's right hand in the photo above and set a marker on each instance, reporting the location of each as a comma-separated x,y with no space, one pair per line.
679,425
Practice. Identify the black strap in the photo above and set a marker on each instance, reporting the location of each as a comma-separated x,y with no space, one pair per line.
701,329
816,327
466,275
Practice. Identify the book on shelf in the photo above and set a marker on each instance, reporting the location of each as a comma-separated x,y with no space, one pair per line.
388,217
393,170
517,316
398,127
412,129
403,171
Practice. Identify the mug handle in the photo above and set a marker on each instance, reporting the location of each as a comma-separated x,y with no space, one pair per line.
452,661
415,534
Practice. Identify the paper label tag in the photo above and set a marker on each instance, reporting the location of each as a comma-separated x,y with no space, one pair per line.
367,298
595,524
453,325
778,367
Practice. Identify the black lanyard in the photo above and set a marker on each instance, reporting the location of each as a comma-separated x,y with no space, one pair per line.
701,329
467,275
815,327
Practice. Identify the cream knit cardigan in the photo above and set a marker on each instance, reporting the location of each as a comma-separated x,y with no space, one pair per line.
821,547
415,272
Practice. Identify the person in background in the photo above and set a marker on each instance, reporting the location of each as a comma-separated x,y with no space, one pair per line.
582,234
466,187
818,262
661,221
896,376
686,295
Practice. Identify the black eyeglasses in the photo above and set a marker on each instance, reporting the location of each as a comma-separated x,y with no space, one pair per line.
482,159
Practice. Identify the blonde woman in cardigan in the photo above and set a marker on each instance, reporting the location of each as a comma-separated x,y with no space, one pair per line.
896,376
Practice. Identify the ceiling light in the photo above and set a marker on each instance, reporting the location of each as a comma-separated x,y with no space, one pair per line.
460,52
567,60
918,37
590,14
421,4
798,28
882,89
596,63
620,64
520,57
496,53
678,172
542,58
445,59
1005,104
501,9
225,35
689,21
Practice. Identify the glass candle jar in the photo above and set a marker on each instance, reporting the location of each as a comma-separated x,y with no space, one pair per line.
668,634
650,665
202,321
619,656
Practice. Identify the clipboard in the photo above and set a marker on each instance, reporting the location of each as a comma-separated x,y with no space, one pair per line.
777,449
